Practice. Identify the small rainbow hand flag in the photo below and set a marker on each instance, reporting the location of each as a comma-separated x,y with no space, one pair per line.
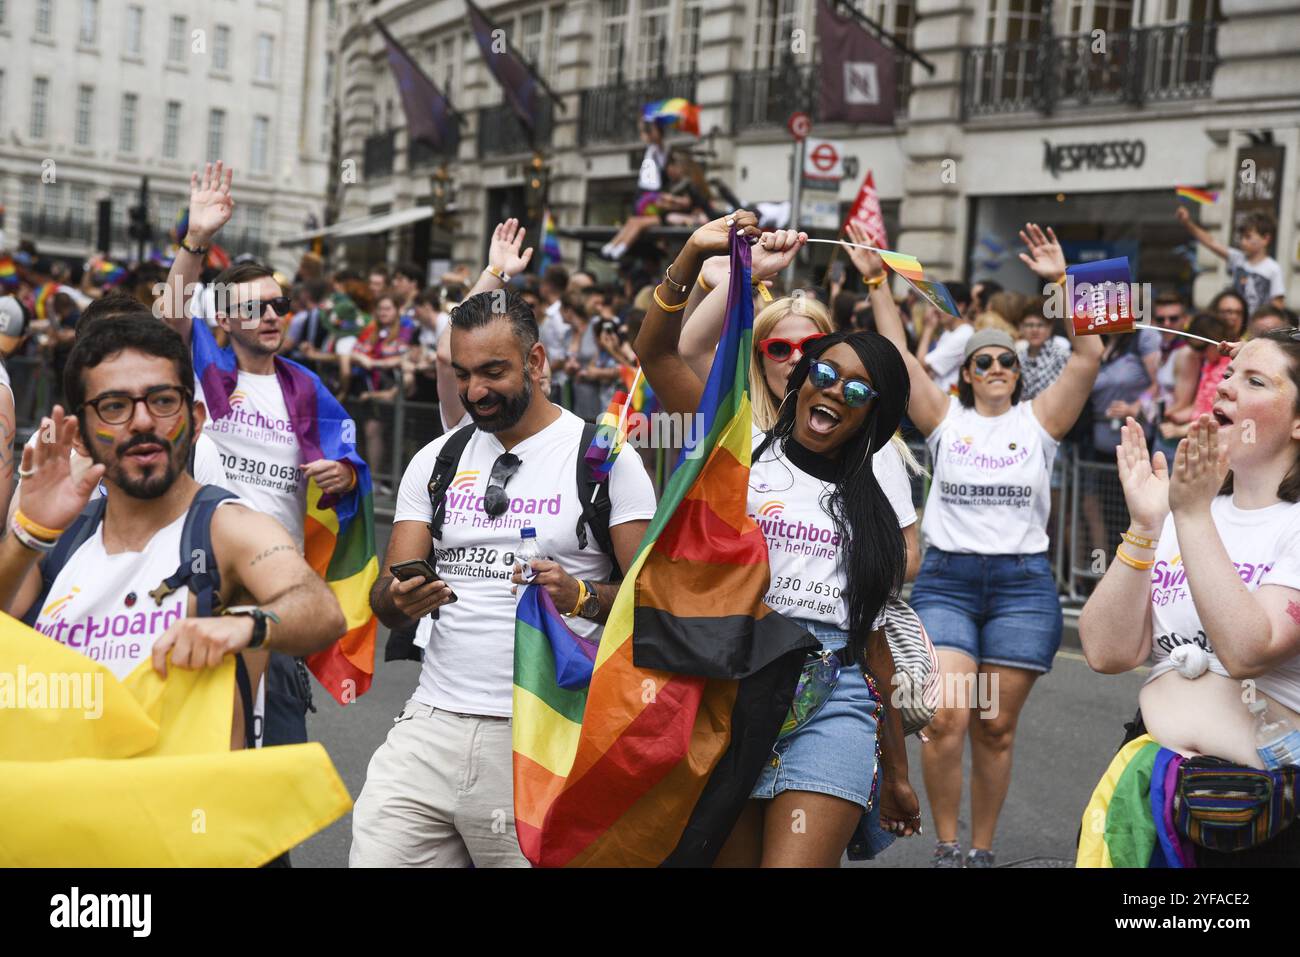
909,267
109,274
8,273
550,242
43,297
677,111
608,440
1206,197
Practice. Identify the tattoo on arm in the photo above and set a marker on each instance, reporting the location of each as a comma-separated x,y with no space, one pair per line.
1293,611
271,551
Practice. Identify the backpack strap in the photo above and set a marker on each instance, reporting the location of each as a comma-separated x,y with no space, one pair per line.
595,505
444,469
76,535
198,567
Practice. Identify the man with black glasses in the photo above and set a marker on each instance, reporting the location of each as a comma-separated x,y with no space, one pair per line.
438,792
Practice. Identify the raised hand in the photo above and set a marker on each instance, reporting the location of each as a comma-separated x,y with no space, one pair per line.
210,204
774,251
714,239
504,254
1200,466
50,496
1145,480
868,263
1045,256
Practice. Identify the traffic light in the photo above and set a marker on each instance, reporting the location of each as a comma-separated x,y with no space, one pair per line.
535,186
440,191
139,228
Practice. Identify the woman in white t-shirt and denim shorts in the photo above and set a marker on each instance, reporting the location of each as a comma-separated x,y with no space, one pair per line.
1207,581
986,593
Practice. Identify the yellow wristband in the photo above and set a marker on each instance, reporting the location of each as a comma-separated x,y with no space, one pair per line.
664,306
35,528
582,596
763,291
1139,542
873,283
1132,562
499,273
699,281
1064,277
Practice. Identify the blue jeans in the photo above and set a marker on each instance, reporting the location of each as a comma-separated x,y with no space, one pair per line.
995,609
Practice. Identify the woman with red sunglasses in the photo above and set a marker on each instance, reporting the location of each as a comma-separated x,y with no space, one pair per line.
986,592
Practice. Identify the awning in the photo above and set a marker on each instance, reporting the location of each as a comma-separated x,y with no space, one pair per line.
364,225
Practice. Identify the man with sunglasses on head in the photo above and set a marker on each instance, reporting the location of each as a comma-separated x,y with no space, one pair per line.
439,791
255,427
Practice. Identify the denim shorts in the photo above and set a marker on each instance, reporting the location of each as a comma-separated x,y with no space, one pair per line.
834,752
995,609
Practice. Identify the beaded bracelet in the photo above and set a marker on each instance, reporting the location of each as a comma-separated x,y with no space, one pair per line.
664,306
1132,562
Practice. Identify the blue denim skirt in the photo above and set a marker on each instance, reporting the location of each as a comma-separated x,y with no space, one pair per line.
834,751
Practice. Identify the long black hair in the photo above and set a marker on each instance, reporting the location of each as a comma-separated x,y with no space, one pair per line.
875,555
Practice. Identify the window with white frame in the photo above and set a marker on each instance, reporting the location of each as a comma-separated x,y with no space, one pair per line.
610,40
652,38
51,200
254,221
172,130
261,142
169,208
774,24
530,37
553,17
40,107
3,12
44,17
134,29
216,133
79,202
126,132
221,47
1084,16
176,39
688,37
265,50
89,21
85,113
1013,21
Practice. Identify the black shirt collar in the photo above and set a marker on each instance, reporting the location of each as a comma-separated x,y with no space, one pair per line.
817,465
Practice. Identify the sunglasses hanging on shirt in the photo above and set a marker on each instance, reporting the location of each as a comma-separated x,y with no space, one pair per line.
495,499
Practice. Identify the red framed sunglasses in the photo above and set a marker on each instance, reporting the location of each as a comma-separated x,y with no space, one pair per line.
779,350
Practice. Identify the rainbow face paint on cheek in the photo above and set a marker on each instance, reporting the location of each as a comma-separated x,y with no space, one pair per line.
177,432
104,436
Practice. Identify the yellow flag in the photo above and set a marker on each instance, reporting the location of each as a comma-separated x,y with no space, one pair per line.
97,772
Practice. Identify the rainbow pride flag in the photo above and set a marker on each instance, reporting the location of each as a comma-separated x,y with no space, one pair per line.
41,304
608,440
1206,197
550,242
1129,820
339,531
8,274
108,274
909,267
652,762
676,111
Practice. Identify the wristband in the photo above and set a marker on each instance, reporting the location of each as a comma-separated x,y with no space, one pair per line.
1132,562
1064,277
353,483
499,273
582,596
664,306
763,291
702,284
673,283
1139,542
873,283
29,540
34,528
193,250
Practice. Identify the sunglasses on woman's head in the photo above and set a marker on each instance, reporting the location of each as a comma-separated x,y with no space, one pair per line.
1007,360
779,350
856,392
495,499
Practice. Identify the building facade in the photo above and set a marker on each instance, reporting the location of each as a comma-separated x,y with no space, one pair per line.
96,94
1081,113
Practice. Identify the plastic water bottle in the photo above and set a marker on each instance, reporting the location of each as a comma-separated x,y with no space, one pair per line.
1277,741
530,550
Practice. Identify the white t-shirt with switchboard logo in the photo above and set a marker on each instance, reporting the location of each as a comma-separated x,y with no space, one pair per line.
804,556
1264,546
991,493
469,649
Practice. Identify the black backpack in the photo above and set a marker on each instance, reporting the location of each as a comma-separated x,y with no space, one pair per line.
592,496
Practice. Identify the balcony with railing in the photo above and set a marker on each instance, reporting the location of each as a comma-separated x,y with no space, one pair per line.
421,155
378,154
612,113
766,98
48,224
500,131
1133,67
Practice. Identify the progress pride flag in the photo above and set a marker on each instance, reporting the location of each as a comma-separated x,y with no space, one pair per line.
1100,296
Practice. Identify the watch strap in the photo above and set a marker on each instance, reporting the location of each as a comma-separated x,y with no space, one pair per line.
193,250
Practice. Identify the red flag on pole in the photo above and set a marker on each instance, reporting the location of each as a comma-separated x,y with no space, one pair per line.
867,215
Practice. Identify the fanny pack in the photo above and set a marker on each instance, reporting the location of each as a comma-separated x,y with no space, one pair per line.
1226,807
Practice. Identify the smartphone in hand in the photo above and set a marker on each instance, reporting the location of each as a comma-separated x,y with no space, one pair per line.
418,568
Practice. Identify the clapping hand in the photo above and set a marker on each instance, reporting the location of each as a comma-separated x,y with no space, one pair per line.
1200,466
1145,480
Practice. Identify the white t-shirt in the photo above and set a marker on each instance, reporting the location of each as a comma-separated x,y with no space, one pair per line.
991,492
652,164
949,352
259,453
1257,282
469,650
1264,545
803,548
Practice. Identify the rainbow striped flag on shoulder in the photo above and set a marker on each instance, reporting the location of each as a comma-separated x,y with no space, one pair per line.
651,762
339,530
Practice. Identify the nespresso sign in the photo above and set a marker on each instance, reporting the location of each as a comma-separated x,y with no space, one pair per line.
1112,154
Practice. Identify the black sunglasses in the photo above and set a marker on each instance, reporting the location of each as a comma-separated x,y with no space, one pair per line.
254,308
495,499
1007,360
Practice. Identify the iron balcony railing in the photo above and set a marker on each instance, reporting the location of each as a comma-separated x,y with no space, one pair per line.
46,224
422,155
379,152
762,98
500,131
1135,66
612,114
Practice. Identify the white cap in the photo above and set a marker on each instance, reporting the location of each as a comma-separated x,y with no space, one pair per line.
13,324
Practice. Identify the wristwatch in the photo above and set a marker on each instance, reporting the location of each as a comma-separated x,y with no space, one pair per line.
590,605
260,618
